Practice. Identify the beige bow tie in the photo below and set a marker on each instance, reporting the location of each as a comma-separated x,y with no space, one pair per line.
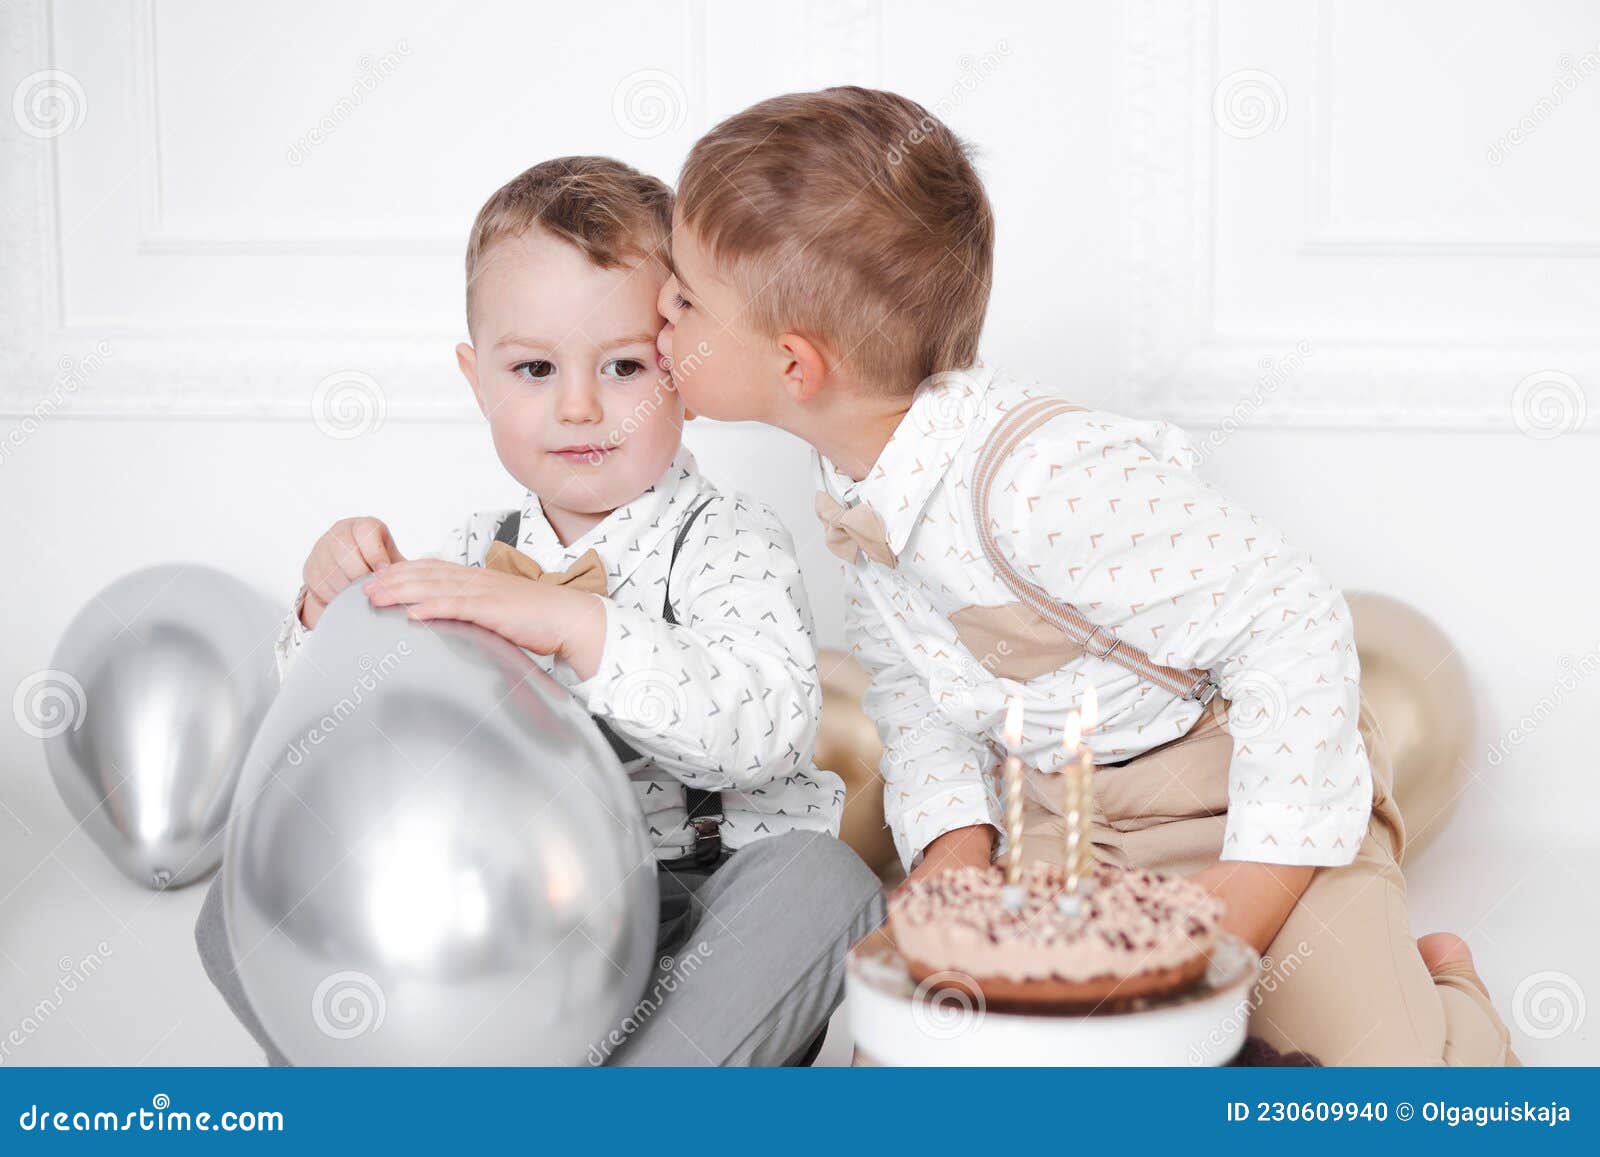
587,574
854,528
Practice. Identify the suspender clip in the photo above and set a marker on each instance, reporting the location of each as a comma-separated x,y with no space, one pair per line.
1108,642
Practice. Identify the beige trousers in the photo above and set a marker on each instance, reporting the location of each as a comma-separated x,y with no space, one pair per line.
1343,980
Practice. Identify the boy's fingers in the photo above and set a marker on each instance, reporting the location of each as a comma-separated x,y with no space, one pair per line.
411,585
390,549
438,607
345,556
372,544
434,568
324,576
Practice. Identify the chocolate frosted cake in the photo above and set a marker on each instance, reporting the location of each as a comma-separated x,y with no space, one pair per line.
1130,935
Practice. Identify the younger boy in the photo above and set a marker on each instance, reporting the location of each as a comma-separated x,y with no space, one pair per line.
832,256
672,610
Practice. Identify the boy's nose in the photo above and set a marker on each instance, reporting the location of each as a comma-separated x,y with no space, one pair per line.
664,342
580,402
664,299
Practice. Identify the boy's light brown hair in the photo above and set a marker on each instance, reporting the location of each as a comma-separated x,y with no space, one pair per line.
614,214
853,217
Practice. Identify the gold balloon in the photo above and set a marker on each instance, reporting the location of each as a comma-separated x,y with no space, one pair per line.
847,745
1416,702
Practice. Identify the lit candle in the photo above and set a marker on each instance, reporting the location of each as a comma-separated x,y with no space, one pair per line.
1088,717
1078,803
1013,784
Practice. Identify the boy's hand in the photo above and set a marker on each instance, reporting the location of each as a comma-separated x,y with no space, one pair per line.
539,617
351,548
964,847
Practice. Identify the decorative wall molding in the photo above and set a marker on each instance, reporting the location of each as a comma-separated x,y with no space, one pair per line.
1181,366
105,360
49,368
1328,238
55,365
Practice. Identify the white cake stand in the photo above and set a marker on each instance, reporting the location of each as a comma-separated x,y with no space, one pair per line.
896,1023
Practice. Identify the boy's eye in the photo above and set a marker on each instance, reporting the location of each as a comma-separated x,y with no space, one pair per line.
679,301
624,368
534,369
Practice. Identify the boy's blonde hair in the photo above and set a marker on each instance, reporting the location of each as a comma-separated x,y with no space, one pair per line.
613,213
852,216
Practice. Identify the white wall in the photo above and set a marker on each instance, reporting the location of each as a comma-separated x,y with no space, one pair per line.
1308,220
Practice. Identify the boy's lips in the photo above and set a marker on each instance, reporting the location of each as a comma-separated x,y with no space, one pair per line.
584,452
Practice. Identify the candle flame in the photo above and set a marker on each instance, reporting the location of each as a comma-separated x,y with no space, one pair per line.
1072,734
1091,709
1014,722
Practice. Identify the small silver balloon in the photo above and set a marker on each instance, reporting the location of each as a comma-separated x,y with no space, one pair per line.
435,856
156,689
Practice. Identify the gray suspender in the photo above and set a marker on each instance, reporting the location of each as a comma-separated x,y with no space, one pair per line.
704,808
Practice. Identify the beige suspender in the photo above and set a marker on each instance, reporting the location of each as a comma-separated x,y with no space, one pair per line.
1099,641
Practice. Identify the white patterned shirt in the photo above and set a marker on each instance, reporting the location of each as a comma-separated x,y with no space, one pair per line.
728,700
1107,513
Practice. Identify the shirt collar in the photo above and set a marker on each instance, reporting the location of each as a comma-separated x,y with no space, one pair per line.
918,454
627,536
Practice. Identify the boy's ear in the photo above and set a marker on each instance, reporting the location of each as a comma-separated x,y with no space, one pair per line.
803,366
467,359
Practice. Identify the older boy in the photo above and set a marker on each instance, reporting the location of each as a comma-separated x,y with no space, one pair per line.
832,253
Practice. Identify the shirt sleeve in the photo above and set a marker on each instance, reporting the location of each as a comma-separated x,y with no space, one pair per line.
727,698
291,637
934,772
1110,515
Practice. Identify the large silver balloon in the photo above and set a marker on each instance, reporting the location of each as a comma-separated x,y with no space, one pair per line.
435,856
153,696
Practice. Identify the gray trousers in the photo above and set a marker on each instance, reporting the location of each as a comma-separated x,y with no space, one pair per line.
749,956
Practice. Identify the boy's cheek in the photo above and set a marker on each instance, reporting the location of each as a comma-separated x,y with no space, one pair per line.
517,425
688,387
705,399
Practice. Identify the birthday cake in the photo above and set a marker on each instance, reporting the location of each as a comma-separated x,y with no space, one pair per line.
1120,937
